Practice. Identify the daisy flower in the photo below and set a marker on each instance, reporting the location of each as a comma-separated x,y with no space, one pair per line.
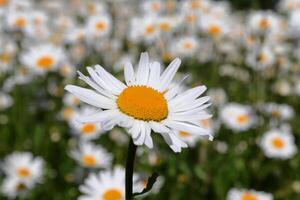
17,20
280,111
85,131
144,103
91,156
12,187
98,26
259,59
186,46
24,166
42,58
243,194
106,185
237,117
278,144
263,22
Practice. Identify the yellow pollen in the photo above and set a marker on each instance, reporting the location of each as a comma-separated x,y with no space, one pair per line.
20,22
242,119
277,143
20,186
5,57
205,123
45,62
155,6
149,29
101,26
112,194
184,134
187,45
264,23
195,5
89,160
214,30
143,103
23,172
88,128
67,113
3,3
262,57
167,56
191,18
248,196
165,26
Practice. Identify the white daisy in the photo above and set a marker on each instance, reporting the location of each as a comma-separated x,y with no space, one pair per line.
24,166
91,156
237,117
259,59
70,100
106,185
98,26
42,58
89,130
144,103
263,22
12,187
186,46
278,144
280,111
242,194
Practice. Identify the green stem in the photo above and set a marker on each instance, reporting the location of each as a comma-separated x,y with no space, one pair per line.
129,169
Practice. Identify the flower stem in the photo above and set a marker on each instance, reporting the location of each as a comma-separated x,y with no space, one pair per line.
129,169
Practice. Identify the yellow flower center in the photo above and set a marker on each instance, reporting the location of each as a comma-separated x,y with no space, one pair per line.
20,186
195,5
205,123
100,26
164,26
3,3
67,113
5,57
184,134
214,30
277,143
264,23
89,160
248,196
187,45
23,172
242,119
112,194
88,128
143,103
149,29
191,18
45,62
262,57
20,22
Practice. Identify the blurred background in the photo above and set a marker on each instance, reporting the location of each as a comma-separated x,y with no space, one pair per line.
246,52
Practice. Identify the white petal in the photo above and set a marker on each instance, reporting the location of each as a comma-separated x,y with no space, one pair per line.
143,69
110,78
189,95
186,106
169,74
148,139
158,127
100,81
141,139
129,74
154,75
173,91
90,97
98,117
186,127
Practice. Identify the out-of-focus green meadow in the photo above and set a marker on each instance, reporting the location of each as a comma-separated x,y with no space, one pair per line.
36,121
